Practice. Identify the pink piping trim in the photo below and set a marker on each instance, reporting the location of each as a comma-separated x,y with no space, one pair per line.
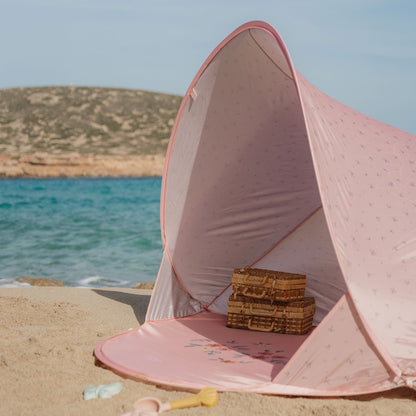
256,24
216,297
377,343
313,335
341,301
135,375
272,31
179,279
286,236
381,349
268,251
166,166
204,306
252,264
154,289
250,25
260,388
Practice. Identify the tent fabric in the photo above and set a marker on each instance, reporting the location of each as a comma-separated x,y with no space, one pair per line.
219,353
263,169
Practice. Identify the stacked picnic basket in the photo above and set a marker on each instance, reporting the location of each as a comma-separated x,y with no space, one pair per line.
270,301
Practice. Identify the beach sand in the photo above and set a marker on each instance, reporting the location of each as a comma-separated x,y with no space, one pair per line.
47,337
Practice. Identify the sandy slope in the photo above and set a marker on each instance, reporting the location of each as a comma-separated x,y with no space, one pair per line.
47,335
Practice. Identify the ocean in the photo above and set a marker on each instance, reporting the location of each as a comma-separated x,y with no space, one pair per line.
84,232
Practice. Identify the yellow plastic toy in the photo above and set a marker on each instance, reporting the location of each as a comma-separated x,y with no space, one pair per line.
151,406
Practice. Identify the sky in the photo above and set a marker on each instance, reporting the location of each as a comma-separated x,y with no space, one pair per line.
360,52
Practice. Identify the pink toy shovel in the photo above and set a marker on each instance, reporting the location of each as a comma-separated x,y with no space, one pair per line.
150,406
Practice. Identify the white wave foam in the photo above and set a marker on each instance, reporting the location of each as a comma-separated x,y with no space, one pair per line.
89,281
100,281
12,283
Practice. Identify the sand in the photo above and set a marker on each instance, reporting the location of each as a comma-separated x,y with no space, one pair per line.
47,336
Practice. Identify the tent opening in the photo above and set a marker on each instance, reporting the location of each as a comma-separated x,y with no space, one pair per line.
254,153
247,197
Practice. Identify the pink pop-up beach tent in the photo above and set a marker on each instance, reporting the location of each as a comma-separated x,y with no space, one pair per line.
265,170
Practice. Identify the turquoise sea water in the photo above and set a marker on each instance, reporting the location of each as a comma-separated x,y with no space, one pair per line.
84,232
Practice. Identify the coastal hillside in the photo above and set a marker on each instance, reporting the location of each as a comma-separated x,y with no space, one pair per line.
84,131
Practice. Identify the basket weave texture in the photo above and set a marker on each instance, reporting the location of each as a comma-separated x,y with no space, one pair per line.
294,317
268,284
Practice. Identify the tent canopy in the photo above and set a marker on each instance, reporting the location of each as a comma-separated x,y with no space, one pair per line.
263,169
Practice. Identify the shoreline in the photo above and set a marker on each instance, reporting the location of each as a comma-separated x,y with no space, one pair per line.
46,359
26,281
75,166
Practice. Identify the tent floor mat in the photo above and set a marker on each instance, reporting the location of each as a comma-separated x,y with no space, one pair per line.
197,351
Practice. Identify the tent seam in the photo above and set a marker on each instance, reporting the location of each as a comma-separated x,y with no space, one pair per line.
268,56
268,251
154,288
286,236
180,280
377,344
167,164
250,25
136,375
217,296
386,356
308,340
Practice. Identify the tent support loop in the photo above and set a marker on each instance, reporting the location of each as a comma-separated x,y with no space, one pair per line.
402,381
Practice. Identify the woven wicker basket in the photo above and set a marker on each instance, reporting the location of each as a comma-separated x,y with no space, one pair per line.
268,284
282,317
